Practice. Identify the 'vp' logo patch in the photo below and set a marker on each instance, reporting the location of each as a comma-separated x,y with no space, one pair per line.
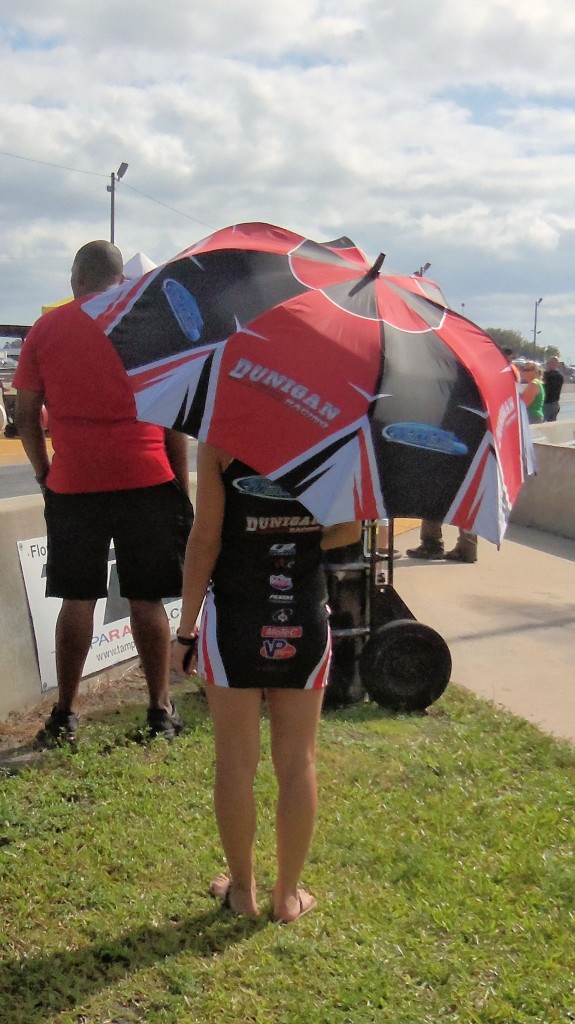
276,649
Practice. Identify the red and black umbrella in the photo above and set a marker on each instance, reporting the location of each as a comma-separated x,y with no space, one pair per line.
358,392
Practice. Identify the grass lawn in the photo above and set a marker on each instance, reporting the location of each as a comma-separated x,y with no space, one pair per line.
444,866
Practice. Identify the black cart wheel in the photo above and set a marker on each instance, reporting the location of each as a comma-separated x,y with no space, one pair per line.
405,665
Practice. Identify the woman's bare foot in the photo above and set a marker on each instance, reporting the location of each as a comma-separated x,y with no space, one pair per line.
239,901
294,907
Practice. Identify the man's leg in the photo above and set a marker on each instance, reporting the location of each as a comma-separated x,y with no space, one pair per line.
76,571
431,541
465,549
149,562
151,632
294,718
235,717
74,631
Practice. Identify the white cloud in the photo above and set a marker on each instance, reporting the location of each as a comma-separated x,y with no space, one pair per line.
442,133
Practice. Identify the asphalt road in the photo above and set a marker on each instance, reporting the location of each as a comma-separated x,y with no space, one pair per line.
18,480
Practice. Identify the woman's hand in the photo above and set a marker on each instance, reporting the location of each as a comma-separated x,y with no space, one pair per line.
184,655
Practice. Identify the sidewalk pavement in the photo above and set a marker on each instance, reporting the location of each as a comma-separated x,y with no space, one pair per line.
508,620
11,452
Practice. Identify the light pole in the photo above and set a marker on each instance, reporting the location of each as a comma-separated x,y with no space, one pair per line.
111,188
422,270
535,331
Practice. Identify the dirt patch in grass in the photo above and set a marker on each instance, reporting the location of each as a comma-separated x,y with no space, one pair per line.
108,695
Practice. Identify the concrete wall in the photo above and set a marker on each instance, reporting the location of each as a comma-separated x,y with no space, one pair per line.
20,686
561,432
20,519
547,502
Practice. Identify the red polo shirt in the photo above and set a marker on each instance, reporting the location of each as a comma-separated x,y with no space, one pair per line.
98,443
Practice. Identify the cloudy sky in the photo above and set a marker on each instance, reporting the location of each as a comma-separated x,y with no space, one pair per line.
438,132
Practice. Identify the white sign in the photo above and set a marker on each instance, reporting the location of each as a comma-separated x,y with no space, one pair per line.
112,641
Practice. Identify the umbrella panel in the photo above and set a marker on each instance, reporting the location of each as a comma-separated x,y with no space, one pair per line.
424,384
186,303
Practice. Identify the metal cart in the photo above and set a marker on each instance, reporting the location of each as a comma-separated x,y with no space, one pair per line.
380,650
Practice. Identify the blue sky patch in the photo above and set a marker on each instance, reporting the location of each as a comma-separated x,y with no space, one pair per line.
19,40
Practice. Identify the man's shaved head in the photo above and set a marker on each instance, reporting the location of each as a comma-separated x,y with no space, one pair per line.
97,266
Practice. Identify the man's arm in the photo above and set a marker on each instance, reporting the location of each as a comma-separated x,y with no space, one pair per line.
177,446
29,427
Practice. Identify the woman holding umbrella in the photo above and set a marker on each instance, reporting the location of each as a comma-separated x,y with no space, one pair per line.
264,634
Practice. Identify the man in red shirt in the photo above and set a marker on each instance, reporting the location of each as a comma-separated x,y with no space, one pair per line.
111,479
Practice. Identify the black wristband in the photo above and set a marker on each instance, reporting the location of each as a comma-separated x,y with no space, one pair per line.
187,641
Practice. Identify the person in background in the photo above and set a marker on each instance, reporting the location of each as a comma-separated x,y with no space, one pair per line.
111,479
510,357
431,536
552,383
264,635
431,544
533,393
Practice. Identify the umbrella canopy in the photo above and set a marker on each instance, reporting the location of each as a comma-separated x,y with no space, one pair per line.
360,393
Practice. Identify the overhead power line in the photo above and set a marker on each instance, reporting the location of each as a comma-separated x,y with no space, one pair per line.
160,203
97,174
46,163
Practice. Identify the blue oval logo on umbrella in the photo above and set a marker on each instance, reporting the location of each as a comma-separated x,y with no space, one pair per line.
261,487
184,307
424,435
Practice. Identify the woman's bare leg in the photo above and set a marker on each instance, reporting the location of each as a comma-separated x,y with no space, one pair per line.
294,718
236,720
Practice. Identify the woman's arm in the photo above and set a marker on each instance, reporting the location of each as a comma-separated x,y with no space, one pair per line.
203,545
529,392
